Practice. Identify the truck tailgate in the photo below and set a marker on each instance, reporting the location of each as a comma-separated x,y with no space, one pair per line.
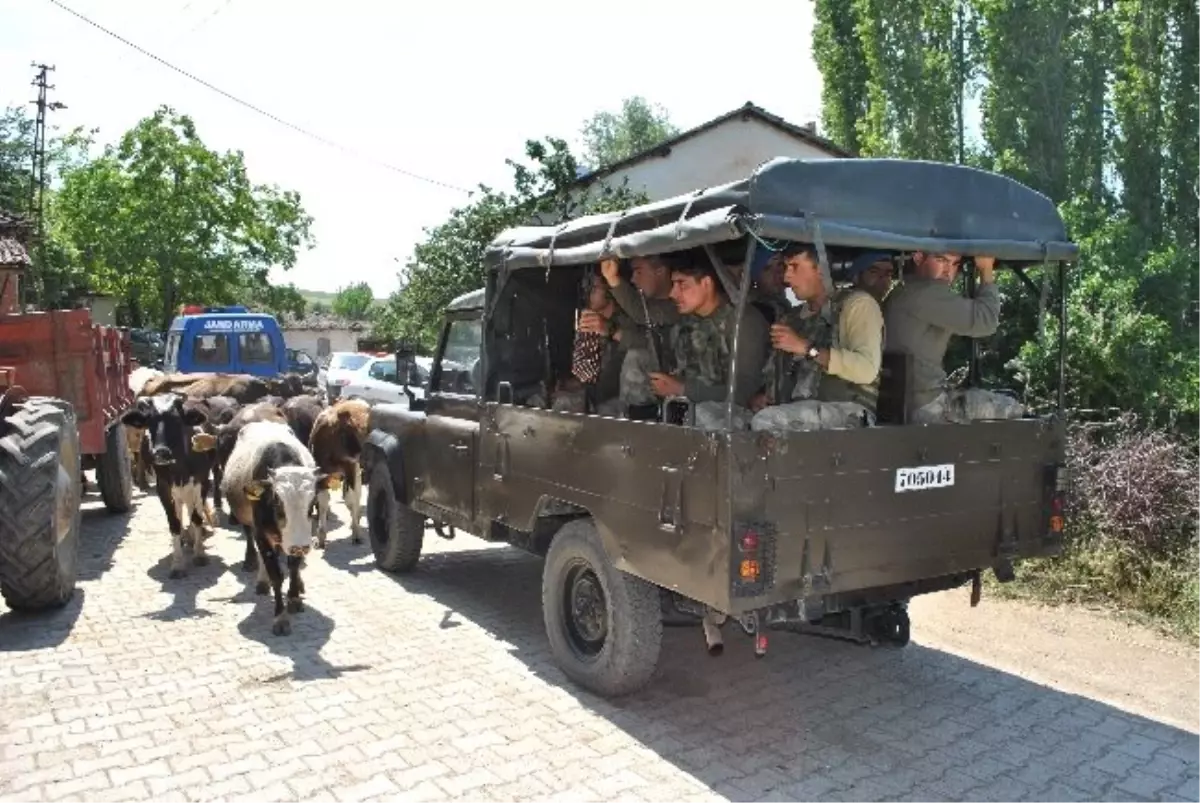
867,508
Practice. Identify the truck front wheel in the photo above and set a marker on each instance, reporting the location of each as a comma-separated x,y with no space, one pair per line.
604,626
397,531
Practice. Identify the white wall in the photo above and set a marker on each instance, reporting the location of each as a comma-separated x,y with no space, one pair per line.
728,152
308,340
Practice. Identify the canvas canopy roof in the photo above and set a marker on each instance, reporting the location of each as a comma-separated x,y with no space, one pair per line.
881,204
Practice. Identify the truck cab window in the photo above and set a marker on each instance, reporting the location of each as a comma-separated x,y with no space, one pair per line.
460,359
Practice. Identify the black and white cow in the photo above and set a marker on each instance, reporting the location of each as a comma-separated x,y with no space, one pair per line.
183,473
271,481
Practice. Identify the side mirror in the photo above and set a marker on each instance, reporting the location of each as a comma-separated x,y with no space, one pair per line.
406,355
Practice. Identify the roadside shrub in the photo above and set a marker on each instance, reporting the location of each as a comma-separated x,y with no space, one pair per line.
1131,537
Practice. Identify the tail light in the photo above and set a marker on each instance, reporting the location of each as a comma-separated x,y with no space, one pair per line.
753,558
1057,483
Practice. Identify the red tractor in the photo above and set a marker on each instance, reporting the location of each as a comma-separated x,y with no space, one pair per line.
64,383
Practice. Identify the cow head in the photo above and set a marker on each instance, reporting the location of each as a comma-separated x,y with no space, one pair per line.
169,421
281,506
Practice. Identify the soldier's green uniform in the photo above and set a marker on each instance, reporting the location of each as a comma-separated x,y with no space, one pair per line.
802,396
642,321
702,348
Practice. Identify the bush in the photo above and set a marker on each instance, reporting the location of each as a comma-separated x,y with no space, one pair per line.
1131,533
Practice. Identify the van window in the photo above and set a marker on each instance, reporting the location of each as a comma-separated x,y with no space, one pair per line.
255,347
171,358
210,350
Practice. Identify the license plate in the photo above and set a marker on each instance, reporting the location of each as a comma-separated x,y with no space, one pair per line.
922,478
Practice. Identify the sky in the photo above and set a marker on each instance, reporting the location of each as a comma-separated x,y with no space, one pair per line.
447,90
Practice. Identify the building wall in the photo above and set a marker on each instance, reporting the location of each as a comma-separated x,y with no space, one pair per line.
310,340
728,152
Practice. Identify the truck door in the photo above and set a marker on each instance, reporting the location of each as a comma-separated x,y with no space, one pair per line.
452,421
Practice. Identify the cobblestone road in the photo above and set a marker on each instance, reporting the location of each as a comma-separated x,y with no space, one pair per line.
439,685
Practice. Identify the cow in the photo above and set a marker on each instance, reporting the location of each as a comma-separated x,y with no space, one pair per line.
135,436
270,482
182,471
301,413
243,388
336,444
227,435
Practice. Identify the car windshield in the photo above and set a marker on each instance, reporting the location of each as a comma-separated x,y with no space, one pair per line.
349,362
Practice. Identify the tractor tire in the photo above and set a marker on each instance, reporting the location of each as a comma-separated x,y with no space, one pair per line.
39,505
114,471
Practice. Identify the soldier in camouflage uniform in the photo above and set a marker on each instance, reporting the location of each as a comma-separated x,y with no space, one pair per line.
702,343
824,372
922,315
642,325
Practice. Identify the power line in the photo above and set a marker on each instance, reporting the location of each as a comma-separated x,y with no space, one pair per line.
254,108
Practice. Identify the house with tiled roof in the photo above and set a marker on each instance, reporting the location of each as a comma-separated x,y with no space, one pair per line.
724,149
322,333
14,259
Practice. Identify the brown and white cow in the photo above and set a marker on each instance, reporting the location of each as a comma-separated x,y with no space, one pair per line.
336,444
270,481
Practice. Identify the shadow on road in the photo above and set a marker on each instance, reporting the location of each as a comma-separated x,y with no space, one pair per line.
310,632
825,719
39,631
185,590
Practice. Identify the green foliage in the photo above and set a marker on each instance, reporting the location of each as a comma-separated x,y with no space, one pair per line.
449,262
1094,103
608,138
161,220
1131,527
55,277
354,301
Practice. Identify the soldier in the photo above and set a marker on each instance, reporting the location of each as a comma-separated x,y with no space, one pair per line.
645,313
922,314
596,360
873,272
702,344
824,373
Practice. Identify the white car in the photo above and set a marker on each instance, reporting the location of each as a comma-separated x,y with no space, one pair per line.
342,366
376,381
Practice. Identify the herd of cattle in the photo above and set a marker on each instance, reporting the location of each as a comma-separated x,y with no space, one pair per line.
269,447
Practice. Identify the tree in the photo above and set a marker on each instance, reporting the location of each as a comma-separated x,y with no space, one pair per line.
161,220
449,262
608,138
354,302
54,278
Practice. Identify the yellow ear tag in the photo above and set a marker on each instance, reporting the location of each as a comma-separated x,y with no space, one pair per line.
335,483
203,442
254,492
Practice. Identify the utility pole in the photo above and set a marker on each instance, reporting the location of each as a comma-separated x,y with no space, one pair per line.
37,183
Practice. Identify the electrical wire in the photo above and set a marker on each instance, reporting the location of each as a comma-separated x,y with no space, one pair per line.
254,108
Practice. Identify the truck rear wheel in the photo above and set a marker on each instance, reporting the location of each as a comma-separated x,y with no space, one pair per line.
604,626
397,531
114,472
39,505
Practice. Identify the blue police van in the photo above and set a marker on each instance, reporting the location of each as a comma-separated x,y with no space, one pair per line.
226,340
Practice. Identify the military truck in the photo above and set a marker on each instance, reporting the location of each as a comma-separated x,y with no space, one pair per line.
644,521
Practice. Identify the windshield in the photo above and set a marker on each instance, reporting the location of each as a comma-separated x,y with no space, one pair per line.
349,362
